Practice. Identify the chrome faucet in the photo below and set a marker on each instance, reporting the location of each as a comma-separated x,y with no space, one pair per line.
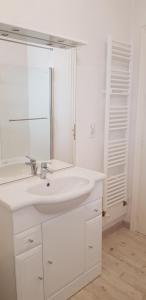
44,170
32,163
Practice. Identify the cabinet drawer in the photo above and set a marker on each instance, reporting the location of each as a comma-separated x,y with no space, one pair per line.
94,209
27,240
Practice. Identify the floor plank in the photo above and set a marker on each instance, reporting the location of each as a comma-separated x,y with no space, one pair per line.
124,269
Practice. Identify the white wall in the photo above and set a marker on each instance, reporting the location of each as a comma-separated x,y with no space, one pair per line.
89,20
139,20
92,21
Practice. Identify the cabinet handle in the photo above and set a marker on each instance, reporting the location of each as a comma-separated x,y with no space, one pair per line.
50,262
40,278
90,247
30,241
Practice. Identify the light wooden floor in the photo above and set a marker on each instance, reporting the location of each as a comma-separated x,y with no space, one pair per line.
124,269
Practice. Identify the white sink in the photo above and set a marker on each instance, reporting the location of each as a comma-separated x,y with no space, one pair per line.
68,188
61,190
59,186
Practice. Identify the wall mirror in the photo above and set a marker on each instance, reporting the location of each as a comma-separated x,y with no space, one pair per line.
37,106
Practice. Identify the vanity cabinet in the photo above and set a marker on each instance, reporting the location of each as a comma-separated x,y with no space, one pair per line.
70,248
51,256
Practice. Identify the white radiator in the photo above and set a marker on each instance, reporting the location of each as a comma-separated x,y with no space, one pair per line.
118,83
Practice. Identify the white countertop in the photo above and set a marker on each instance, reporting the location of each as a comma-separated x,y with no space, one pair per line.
14,195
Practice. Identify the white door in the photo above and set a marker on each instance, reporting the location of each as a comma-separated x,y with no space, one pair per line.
139,215
64,250
141,207
29,274
139,186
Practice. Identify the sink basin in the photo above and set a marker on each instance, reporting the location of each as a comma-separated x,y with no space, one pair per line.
59,186
60,190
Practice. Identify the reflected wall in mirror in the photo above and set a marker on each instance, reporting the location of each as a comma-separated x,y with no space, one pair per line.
37,108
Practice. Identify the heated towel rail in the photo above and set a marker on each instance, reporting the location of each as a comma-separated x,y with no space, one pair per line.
118,85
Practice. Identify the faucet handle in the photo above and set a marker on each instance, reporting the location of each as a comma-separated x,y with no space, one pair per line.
44,170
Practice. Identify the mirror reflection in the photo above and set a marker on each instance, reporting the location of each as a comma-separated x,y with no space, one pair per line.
36,106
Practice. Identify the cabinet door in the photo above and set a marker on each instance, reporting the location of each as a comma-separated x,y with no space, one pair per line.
64,250
29,274
93,242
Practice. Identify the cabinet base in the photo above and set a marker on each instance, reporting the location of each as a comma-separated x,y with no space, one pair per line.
77,284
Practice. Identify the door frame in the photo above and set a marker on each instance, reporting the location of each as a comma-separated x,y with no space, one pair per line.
138,136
